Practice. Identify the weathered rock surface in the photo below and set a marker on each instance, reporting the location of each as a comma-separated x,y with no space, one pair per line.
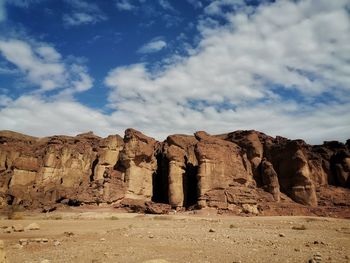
239,172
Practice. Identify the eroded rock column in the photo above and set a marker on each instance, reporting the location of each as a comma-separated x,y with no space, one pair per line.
138,158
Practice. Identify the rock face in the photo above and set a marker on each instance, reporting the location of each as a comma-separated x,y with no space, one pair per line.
239,172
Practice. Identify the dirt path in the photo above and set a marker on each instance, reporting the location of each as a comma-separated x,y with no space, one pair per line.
112,237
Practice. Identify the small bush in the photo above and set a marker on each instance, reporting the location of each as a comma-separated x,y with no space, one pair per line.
302,227
233,226
114,218
312,219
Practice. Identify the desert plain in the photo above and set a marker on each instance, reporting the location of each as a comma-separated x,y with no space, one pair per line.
103,235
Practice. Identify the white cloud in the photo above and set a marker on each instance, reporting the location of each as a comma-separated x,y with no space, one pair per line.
153,46
83,13
38,116
124,5
48,53
242,73
76,19
43,66
82,81
5,100
216,7
39,70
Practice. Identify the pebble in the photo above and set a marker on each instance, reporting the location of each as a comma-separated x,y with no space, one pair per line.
18,228
317,258
68,234
45,261
8,230
37,240
56,243
282,235
151,236
33,226
102,239
18,246
211,230
23,241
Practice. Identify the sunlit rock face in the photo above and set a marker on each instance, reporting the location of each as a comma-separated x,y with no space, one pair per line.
238,172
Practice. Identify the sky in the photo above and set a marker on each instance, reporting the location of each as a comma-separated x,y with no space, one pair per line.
176,66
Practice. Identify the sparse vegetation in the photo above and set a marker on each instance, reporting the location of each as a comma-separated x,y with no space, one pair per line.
301,227
314,219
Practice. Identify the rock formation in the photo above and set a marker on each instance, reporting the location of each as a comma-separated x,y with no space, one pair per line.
238,172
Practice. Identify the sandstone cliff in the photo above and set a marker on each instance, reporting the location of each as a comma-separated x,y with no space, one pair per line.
239,172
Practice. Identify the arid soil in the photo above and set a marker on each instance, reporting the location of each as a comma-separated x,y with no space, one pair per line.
106,236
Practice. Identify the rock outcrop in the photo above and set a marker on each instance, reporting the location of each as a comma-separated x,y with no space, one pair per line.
239,172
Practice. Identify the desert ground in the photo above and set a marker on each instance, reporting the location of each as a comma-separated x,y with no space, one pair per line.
107,236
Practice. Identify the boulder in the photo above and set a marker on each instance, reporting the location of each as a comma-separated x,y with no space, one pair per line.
32,226
18,228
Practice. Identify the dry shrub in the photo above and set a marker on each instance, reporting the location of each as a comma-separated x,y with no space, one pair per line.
301,227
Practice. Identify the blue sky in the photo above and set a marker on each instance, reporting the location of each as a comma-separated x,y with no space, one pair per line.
165,67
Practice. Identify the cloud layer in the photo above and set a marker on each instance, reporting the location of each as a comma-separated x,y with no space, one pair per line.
282,68
44,67
236,77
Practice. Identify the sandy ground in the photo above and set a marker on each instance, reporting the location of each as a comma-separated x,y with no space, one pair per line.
99,236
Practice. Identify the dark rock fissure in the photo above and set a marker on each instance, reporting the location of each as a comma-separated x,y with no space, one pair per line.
93,166
10,199
190,184
160,183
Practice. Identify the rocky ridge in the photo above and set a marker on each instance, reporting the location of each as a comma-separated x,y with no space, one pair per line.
243,172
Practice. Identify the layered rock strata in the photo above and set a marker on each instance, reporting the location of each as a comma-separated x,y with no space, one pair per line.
238,172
